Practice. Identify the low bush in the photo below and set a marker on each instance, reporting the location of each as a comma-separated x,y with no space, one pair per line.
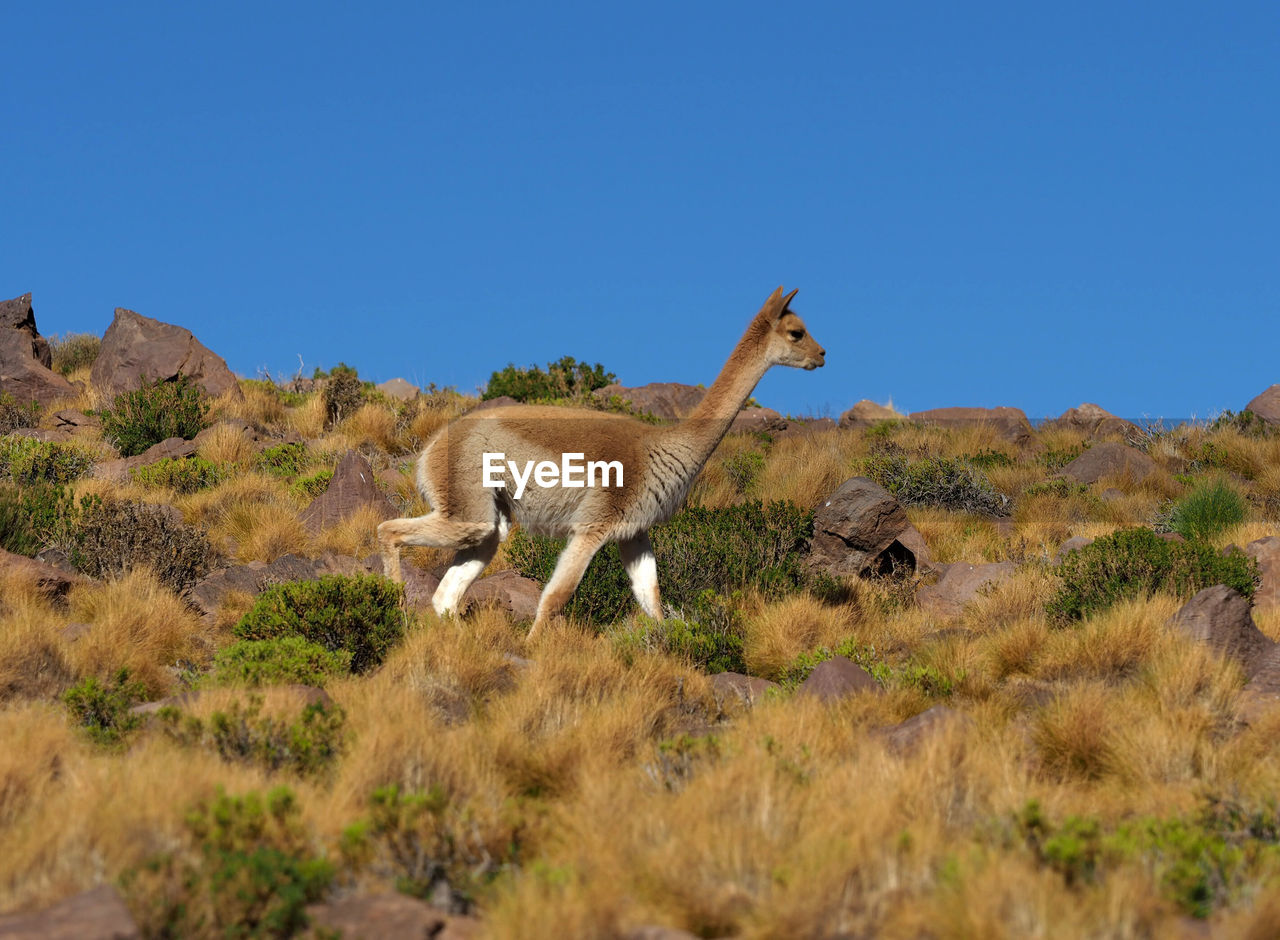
565,379
74,351
155,412
1210,509
309,487
699,549
104,538
284,460
181,474
1136,563
936,481
15,414
246,868
708,634
743,469
308,745
360,614
344,393
103,710
1246,422
273,662
26,460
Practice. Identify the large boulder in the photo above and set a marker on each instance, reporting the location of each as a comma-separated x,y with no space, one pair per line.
18,314
351,488
24,377
961,582
861,529
907,737
734,687
1109,459
1010,424
867,413
838,678
389,916
1266,405
1220,618
508,590
399,390
1093,421
137,349
758,421
99,914
1266,552
660,399
50,581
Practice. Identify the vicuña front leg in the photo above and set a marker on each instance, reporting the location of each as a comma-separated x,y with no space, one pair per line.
642,569
433,529
570,567
466,567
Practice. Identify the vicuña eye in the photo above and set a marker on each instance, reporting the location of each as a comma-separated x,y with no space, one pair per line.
796,334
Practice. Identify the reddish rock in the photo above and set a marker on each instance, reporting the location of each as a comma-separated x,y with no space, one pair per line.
24,377
351,488
758,421
1267,405
862,529
1010,423
807,426
70,418
1070,545
961,583
399,390
510,591
500,402
660,399
1110,458
866,414
419,586
137,348
907,737
253,578
1220,617
52,582
838,678
733,686
99,914
1093,421
1266,552
390,917
19,315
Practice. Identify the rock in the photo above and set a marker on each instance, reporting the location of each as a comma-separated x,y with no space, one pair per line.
255,577
419,586
671,400
1093,422
960,583
862,529
390,917
733,686
19,315
838,678
52,582
657,932
1070,545
510,591
351,488
1010,424
1266,552
1267,405
758,421
1110,458
70,418
866,413
1111,494
500,402
1220,617
907,736
137,348
399,390
803,426
25,377
99,914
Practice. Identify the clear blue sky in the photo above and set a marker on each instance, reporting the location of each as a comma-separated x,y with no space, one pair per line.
982,204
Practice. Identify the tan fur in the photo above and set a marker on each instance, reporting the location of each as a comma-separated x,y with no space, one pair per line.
659,466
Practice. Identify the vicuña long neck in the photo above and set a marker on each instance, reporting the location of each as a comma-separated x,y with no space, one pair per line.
703,430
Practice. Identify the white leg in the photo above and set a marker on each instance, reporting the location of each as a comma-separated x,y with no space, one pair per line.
466,567
642,569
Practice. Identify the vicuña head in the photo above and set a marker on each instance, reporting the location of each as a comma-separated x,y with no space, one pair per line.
589,476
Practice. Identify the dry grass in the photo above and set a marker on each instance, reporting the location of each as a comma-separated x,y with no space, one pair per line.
228,444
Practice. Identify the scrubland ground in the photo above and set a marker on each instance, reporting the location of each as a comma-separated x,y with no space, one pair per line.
1102,784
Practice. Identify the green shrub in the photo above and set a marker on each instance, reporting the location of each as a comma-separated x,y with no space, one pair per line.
242,734
936,481
103,710
284,460
72,351
32,517
565,379
743,469
986,459
15,415
181,474
17,532
26,460
104,538
360,614
287,398
1246,422
699,549
1061,487
1136,563
155,412
273,662
344,393
246,869
1055,460
1208,510
309,487
708,634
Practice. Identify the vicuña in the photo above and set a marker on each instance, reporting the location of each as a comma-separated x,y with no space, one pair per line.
660,465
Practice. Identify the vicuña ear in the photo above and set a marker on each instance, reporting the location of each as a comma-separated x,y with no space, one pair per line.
786,302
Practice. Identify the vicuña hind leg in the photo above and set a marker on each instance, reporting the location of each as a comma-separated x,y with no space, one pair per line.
642,569
570,567
432,529
466,567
